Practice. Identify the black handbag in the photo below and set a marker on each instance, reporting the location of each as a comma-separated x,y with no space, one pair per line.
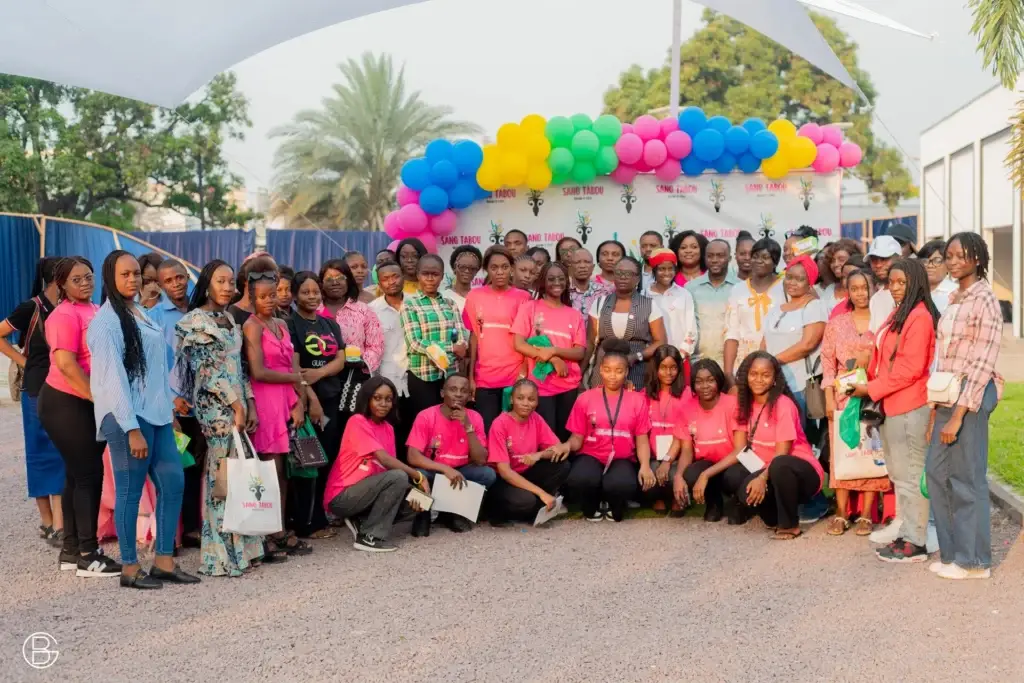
814,393
306,451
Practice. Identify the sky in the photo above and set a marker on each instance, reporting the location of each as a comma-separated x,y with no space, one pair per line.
494,62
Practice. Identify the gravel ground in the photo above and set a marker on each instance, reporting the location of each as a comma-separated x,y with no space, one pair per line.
645,600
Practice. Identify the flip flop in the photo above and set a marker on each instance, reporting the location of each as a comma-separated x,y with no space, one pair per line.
786,535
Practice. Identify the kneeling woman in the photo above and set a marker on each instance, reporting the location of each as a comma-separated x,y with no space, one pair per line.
530,460
667,394
609,427
367,479
791,474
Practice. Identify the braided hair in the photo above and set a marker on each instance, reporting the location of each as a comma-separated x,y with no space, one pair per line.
134,356
918,291
975,249
62,271
201,292
519,383
745,396
45,269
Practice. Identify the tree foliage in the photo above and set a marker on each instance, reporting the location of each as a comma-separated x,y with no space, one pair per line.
730,69
82,154
338,166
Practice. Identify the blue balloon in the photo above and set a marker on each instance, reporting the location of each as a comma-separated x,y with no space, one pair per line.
692,166
481,193
719,123
748,163
416,174
737,140
763,144
754,125
444,174
467,156
463,194
433,200
439,150
708,145
692,120
725,163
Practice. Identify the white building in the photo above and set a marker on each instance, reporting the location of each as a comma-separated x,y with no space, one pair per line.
966,186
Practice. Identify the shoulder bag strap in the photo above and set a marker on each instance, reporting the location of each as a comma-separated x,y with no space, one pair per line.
32,323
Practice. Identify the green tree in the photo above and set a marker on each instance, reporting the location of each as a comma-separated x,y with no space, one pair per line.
82,154
338,166
730,69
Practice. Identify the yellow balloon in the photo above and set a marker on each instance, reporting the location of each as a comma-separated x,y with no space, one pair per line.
538,177
513,169
533,125
492,155
488,177
801,153
783,129
537,147
510,137
775,167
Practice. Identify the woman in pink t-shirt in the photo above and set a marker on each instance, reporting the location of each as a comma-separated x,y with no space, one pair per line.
791,475
531,461
489,314
67,413
368,483
667,394
708,439
552,316
609,426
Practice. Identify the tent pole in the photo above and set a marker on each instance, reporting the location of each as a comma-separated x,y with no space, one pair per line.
677,20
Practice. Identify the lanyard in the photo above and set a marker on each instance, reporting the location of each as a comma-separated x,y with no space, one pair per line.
662,408
757,420
612,420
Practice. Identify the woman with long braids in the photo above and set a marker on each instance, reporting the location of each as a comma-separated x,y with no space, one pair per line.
208,372
66,411
134,412
898,377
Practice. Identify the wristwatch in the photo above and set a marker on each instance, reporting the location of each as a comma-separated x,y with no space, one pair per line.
640,356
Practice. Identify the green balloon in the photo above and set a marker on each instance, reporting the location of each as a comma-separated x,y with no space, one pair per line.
583,172
581,122
559,179
606,160
608,129
558,131
560,161
585,145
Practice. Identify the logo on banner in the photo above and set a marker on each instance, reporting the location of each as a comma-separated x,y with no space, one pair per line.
535,199
628,197
717,195
496,232
671,227
583,225
806,192
767,226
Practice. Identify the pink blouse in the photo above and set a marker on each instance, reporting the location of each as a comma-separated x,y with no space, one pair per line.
841,343
360,327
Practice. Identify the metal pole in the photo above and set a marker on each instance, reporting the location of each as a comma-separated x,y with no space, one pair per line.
677,20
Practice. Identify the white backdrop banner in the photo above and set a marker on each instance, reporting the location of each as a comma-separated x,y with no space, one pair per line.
717,206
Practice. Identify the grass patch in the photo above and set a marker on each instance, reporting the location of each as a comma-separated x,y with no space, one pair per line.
1006,438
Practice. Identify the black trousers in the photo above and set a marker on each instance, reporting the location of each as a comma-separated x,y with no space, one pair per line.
306,496
792,481
488,404
422,395
192,497
507,502
722,484
588,484
555,411
71,425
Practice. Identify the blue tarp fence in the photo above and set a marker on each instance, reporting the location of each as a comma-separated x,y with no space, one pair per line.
204,246
308,249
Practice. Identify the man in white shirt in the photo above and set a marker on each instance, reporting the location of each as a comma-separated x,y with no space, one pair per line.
884,250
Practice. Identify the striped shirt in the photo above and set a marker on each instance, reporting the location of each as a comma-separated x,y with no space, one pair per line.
148,397
969,343
429,320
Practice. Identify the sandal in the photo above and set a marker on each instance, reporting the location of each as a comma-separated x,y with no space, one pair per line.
864,527
273,552
837,526
293,546
786,535
323,534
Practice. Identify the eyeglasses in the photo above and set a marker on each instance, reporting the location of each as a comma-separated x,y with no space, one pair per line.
264,275
332,280
626,274
466,267
82,280
934,262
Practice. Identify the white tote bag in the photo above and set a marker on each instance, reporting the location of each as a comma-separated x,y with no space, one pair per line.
867,461
253,504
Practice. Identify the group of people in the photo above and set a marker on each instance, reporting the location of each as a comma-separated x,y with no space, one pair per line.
692,374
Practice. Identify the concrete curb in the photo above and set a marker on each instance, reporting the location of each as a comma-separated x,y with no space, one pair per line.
1007,499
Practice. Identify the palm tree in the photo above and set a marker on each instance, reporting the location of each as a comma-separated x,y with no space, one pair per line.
338,166
999,27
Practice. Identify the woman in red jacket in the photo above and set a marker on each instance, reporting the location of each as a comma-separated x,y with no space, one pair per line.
898,377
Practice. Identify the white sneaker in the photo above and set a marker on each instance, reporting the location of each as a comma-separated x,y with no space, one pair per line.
352,527
958,573
932,544
886,534
936,567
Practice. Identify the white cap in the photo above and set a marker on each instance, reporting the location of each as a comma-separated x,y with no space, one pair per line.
885,247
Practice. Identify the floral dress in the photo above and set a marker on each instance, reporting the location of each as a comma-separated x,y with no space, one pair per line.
209,368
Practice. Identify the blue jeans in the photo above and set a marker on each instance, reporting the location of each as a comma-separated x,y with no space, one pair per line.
481,474
163,464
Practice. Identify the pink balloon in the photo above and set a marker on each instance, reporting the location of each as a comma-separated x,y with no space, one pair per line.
643,167
832,136
624,174
629,148
407,196
827,158
669,170
627,128
668,125
392,225
647,127
678,144
429,241
850,154
444,223
412,219
393,246
812,132
655,153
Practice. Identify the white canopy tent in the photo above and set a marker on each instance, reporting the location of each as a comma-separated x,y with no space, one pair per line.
149,52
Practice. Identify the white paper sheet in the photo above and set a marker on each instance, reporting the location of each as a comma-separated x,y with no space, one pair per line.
749,459
545,515
662,444
464,502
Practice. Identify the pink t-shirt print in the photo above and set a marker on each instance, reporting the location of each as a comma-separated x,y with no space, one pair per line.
65,331
442,440
489,314
666,411
509,440
590,419
781,424
710,431
565,328
356,460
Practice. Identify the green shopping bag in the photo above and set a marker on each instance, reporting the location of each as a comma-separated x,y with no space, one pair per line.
302,440
182,441
849,423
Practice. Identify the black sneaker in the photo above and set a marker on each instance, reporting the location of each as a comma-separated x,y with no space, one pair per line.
902,552
595,516
372,544
739,514
457,523
713,513
420,525
141,580
96,564
68,561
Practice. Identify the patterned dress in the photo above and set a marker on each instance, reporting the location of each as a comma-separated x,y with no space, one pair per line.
210,358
